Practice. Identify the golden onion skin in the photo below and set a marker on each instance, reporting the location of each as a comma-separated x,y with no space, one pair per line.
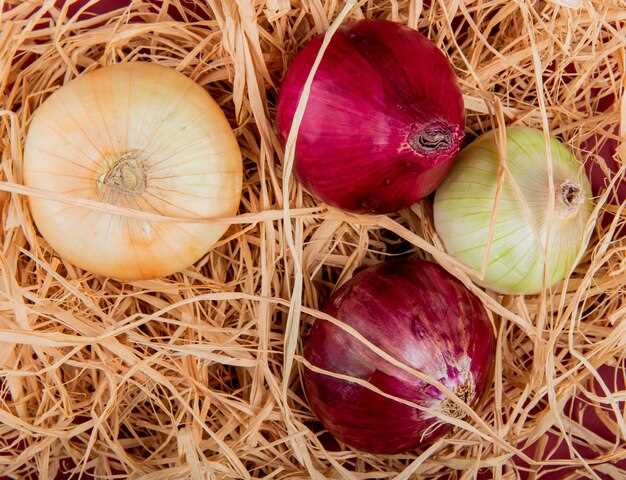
465,202
139,136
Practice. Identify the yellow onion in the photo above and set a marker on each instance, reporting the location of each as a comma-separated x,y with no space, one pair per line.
526,233
138,136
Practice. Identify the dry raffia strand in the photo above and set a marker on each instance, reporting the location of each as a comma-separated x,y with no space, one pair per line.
198,375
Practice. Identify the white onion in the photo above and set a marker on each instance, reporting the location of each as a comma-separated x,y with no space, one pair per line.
465,202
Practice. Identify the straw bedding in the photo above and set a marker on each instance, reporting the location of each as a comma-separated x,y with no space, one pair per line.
199,375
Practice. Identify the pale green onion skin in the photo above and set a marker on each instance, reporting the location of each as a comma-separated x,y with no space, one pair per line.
465,202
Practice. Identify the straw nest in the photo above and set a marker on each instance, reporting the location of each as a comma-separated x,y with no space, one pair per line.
199,375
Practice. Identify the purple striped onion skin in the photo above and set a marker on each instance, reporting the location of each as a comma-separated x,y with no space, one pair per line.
384,119
420,315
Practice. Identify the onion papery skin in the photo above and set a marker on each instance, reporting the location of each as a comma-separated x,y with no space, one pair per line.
420,315
139,136
383,122
465,202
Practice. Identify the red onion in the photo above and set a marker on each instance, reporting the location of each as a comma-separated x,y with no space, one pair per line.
420,315
384,119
